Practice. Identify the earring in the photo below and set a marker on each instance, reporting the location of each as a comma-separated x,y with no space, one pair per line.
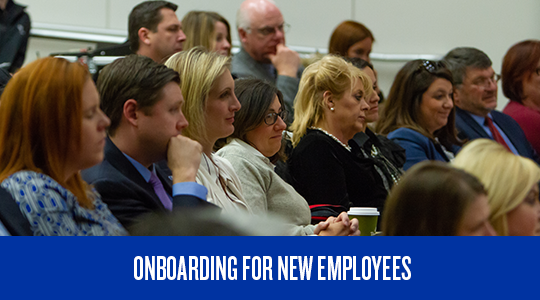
331,108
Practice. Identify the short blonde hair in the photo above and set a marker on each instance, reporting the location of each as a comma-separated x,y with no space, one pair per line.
331,73
508,178
198,69
200,29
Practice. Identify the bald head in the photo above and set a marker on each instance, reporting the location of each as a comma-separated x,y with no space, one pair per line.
260,28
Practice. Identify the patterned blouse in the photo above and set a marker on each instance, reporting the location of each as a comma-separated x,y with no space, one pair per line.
53,210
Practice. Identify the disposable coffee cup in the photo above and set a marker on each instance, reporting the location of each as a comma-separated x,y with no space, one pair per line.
367,219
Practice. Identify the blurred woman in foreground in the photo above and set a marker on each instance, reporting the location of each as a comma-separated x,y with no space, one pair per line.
51,127
511,182
436,199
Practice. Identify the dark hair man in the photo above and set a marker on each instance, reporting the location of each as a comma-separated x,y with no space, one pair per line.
475,97
144,102
154,30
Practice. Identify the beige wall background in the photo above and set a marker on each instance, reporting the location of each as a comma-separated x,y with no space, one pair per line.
400,27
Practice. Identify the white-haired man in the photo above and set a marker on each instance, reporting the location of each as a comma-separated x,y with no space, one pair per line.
263,55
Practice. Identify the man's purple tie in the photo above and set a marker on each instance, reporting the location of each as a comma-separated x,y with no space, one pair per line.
160,191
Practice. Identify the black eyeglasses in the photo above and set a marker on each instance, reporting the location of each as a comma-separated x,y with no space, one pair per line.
271,118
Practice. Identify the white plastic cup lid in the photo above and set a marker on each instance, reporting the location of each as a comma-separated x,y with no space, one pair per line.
363,211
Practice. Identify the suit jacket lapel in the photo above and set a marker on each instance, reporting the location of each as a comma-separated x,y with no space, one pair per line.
471,123
119,161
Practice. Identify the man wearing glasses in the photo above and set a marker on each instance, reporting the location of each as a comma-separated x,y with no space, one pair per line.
475,97
261,30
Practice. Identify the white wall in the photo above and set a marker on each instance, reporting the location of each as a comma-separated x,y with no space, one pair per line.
400,27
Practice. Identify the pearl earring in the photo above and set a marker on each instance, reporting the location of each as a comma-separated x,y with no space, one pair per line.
331,108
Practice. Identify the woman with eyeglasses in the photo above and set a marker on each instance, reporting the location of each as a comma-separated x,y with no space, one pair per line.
521,84
253,149
420,113
324,167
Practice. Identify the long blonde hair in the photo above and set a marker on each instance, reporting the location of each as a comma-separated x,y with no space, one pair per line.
331,73
198,69
508,178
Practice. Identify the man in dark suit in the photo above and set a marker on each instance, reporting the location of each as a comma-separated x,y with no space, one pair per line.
475,97
144,102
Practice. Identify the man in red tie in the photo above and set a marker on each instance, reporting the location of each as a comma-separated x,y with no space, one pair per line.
475,97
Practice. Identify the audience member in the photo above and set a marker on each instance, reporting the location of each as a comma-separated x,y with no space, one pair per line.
144,102
511,182
330,109
255,146
388,157
51,127
261,30
210,106
351,39
521,84
419,114
475,97
154,30
207,29
436,199
14,33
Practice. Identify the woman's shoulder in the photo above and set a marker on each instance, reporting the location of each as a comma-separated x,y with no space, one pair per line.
315,140
407,133
235,148
31,180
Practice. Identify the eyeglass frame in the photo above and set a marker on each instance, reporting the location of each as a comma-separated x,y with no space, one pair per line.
282,114
486,81
272,29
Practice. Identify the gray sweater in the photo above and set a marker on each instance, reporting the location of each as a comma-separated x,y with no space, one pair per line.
264,191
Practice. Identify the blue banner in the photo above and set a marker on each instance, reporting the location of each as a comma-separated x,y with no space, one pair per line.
268,267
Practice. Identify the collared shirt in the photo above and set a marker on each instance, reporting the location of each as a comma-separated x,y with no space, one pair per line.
182,188
481,121
3,230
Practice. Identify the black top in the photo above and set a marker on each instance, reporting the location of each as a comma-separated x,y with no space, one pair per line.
324,172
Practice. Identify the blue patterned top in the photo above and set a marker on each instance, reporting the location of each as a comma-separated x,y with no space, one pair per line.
53,210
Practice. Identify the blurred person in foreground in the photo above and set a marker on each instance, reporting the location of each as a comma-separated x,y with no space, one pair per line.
511,182
435,199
